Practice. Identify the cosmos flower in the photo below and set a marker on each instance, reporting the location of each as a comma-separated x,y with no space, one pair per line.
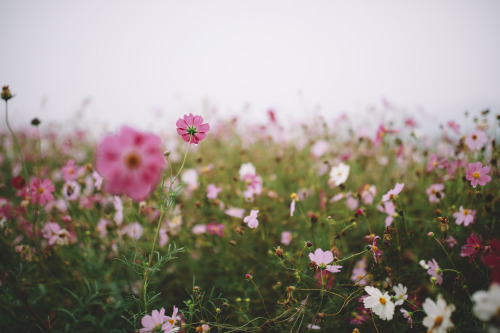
157,320
465,216
435,192
438,319
41,191
252,219
213,191
286,237
476,139
322,259
477,174
379,303
338,175
472,248
434,271
401,294
487,305
131,163
192,129
392,194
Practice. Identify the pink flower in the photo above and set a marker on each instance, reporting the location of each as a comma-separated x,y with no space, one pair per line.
131,162
359,272
286,237
42,191
454,126
252,219
491,258
407,315
476,139
477,174
214,228
151,323
322,259
368,193
465,216
292,207
213,191
133,230
55,234
472,248
390,210
394,192
433,162
451,241
359,316
435,192
191,128
435,271
70,171
235,212
377,253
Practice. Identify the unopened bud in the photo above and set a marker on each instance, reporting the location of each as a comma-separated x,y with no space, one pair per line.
6,95
167,153
309,244
35,122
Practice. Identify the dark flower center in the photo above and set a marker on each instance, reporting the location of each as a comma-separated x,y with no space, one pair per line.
132,160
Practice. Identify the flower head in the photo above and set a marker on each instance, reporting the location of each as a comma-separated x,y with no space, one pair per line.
286,237
156,321
131,162
41,191
252,219
487,304
438,319
465,216
392,194
322,259
435,271
473,247
476,140
401,294
380,304
477,174
192,129
338,175
435,192
377,253
492,259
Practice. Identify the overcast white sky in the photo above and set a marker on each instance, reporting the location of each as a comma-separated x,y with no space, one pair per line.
134,58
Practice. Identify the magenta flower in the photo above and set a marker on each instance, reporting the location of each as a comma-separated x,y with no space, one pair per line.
476,140
41,191
435,272
191,128
465,216
473,247
477,174
394,192
131,163
252,219
70,171
377,253
322,259
435,192
214,228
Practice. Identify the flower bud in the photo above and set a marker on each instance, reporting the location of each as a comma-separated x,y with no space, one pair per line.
6,95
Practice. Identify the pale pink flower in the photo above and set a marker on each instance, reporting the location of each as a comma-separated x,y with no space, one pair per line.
477,174
388,208
455,127
465,216
377,253
235,212
55,234
359,272
322,259
131,162
70,171
407,316
213,191
476,139
286,237
192,129
97,180
435,192
352,203
252,219
199,229
319,148
368,193
292,207
434,271
157,320
133,230
392,194
41,191
102,227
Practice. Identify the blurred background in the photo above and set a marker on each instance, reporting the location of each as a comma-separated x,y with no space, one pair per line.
145,63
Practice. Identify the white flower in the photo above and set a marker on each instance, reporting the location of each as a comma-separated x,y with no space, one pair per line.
438,319
401,295
487,303
190,178
423,264
338,175
247,169
380,303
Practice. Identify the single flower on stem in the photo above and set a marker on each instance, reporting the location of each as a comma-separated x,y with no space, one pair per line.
192,129
477,174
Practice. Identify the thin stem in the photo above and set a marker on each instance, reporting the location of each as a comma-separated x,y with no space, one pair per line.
263,303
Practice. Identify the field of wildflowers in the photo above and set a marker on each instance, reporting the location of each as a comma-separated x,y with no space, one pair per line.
256,228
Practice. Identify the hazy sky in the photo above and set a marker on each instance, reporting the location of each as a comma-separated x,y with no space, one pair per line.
133,59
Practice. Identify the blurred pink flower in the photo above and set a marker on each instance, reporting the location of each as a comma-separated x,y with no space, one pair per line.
473,247
435,192
368,193
476,139
133,230
435,271
235,212
454,126
131,162
394,192
70,171
286,237
42,191
157,319
213,191
55,234
214,228
465,216
477,174
377,253
252,219
191,128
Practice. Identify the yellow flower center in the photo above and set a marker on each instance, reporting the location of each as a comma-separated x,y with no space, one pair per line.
438,321
374,248
382,301
466,212
40,190
475,175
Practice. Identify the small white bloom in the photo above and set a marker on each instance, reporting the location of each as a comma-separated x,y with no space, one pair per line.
401,295
438,319
338,175
380,303
487,303
423,264
247,169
